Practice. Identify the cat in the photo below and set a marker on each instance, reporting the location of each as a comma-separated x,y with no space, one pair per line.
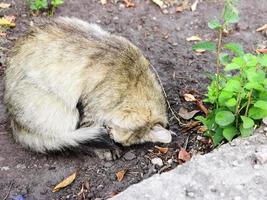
69,82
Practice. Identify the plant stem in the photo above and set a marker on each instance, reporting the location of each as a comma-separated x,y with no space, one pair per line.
218,65
249,101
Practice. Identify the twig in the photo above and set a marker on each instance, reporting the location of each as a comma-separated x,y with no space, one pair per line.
166,97
9,189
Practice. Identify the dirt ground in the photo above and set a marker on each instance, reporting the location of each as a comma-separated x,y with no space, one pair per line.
162,38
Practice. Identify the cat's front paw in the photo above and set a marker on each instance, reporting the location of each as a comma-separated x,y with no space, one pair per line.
107,154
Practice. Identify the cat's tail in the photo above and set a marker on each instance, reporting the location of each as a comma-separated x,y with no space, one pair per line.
78,139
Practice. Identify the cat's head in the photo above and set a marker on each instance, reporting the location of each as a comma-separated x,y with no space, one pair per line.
138,125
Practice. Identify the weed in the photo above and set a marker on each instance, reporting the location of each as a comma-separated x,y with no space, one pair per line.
237,92
50,6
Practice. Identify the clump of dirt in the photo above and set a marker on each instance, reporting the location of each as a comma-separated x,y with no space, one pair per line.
162,38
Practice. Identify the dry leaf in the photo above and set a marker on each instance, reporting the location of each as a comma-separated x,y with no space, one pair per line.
194,5
184,155
190,125
162,149
202,129
183,112
261,51
67,181
120,175
160,3
264,27
2,34
4,21
199,51
103,2
189,97
202,107
179,9
5,5
193,38
129,3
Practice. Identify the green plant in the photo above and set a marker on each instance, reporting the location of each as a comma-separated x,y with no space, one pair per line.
237,92
37,5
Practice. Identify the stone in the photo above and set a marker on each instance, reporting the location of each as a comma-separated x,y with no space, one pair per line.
157,161
221,170
129,156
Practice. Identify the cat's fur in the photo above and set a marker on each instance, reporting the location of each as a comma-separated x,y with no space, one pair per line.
66,62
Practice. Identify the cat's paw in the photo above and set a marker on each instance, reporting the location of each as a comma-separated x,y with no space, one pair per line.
107,154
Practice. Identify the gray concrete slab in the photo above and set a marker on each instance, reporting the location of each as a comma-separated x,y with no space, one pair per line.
235,171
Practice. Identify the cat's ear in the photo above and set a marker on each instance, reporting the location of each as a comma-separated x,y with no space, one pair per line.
160,134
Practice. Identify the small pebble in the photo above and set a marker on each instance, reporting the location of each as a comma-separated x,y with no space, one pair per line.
129,156
264,120
169,161
20,166
108,164
5,168
265,129
261,157
157,161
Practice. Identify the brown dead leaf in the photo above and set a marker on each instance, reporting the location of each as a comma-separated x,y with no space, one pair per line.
103,2
183,6
113,194
160,3
189,97
202,107
2,34
183,112
162,149
129,3
120,175
264,27
184,155
193,38
179,9
5,5
261,51
194,6
202,129
190,126
67,181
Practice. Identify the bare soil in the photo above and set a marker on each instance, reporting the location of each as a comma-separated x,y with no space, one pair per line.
162,38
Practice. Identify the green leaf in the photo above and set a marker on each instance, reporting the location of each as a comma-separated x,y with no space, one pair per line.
254,85
217,138
235,48
230,132
231,102
224,118
231,66
38,4
214,24
232,85
230,13
57,3
251,60
261,104
245,132
209,46
247,122
239,61
224,96
255,76
257,113
263,60
263,95
212,92
224,58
